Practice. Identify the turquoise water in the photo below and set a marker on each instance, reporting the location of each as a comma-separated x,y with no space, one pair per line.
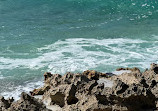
73,35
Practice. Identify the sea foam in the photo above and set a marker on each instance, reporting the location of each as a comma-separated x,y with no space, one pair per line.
19,89
79,54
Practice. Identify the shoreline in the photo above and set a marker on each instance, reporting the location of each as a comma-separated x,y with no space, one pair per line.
132,90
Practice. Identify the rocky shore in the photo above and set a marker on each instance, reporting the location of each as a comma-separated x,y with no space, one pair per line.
92,91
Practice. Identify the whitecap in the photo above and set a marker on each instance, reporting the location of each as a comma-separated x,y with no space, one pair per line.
19,89
79,54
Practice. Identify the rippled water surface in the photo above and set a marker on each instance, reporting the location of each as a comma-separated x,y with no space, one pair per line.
73,35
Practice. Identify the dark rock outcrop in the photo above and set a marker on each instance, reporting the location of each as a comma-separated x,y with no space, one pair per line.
5,104
82,91
26,103
134,91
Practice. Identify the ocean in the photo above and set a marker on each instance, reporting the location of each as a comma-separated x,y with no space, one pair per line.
60,36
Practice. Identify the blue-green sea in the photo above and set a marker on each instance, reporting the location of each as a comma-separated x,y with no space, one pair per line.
62,36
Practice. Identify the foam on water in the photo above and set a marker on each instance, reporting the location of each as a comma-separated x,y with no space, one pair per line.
79,54
1,77
19,89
